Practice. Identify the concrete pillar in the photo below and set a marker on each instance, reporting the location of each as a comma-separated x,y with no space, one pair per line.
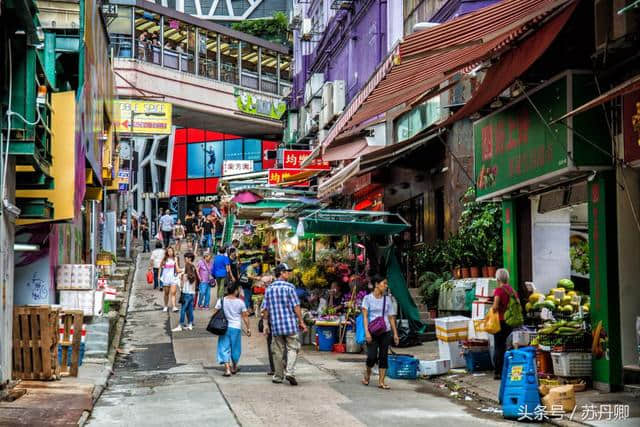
7,238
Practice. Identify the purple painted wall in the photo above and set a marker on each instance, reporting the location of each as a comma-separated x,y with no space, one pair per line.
349,48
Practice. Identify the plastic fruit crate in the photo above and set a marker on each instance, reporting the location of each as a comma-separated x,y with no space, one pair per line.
572,364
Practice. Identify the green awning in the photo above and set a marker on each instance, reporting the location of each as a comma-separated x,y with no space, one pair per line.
266,204
347,222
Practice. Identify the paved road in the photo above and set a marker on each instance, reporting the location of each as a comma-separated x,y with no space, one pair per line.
165,378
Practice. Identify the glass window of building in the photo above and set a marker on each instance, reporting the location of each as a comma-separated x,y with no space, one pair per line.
179,45
208,54
120,33
250,55
285,75
229,59
147,36
269,69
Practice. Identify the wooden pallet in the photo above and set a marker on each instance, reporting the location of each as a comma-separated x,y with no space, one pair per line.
71,320
35,343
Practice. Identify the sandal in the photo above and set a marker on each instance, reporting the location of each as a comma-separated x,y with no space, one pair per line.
365,381
384,387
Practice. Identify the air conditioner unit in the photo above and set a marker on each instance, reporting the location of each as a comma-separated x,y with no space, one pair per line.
315,106
326,116
339,97
306,29
378,136
302,122
322,135
295,17
312,87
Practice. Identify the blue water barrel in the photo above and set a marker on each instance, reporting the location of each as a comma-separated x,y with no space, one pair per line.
326,337
519,385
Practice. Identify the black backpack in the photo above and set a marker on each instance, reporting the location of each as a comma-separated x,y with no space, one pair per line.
218,323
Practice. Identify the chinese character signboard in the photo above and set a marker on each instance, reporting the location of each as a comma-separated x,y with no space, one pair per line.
143,117
287,176
236,167
517,146
292,159
631,127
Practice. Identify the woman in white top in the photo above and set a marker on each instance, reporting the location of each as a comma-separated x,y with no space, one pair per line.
230,344
169,277
379,305
178,234
190,280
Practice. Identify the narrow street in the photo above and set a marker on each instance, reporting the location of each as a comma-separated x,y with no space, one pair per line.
165,378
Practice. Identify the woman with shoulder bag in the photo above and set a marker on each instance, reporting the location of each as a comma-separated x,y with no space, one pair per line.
230,344
190,279
501,296
169,278
379,316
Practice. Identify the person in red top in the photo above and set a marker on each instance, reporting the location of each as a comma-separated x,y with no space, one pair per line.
500,304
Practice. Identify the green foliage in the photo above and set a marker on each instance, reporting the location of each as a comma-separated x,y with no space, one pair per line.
480,228
273,29
430,284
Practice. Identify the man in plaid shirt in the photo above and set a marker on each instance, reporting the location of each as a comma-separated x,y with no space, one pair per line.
282,318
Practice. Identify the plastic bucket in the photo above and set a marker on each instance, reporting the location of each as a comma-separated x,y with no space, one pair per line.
326,337
352,344
339,348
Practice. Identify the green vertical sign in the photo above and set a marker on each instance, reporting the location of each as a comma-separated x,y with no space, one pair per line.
509,242
607,364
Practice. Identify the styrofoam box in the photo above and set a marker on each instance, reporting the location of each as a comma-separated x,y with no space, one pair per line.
452,351
98,302
479,309
485,287
78,300
475,334
434,367
453,327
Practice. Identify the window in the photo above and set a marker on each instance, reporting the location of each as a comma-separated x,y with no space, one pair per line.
147,36
229,59
269,71
250,56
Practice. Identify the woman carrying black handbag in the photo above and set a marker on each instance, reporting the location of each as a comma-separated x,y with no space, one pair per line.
231,308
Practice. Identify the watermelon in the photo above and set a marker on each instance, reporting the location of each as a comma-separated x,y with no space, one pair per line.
566,284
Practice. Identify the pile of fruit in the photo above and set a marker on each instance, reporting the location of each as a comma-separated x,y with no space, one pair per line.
562,300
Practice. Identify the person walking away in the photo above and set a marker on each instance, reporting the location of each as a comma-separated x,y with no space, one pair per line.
190,229
222,271
234,266
144,231
378,305
253,276
178,234
283,317
190,280
219,228
207,233
155,262
166,226
230,344
122,229
500,304
169,278
206,279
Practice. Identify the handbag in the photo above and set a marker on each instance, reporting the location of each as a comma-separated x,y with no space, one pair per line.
159,235
150,277
218,323
378,326
181,300
491,323
261,325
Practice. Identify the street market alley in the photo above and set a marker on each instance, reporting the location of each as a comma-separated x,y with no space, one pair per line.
171,378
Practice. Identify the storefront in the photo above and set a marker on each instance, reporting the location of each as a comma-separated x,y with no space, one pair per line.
557,188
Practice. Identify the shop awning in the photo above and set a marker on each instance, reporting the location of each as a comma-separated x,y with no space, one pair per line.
350,150
427,58
629,86
334,183
347,222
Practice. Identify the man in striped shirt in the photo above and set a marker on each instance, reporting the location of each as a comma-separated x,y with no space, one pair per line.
282,318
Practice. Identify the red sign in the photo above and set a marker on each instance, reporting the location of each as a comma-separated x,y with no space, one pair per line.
294,158
287,177
631,127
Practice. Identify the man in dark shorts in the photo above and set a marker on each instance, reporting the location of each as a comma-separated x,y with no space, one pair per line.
207,233
190,228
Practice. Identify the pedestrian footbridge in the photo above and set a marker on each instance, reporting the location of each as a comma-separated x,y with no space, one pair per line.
215,77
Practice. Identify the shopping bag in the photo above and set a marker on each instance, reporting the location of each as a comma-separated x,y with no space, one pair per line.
159,235
361,337
491,322
150,277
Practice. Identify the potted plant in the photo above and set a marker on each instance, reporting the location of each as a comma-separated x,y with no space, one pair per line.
430,284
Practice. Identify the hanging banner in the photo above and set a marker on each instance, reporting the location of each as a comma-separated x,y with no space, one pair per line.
142,117
236,167
293,159
288,176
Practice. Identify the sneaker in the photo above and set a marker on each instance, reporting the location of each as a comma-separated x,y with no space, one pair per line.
291,379
177,329
190,327
176,309
165,309
276,380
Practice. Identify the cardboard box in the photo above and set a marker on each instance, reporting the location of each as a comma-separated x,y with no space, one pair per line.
434,367
452,351
561,396
485,287
479,309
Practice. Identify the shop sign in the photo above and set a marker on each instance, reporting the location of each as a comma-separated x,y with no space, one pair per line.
123,176
204,199
255,105
236,167
143,117
280,176
631,127
292,159
517,146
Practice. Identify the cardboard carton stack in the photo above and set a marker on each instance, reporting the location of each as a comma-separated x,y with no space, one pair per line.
481,305
76,285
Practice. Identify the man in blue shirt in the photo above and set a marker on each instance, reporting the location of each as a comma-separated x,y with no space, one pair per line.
282,316
221,270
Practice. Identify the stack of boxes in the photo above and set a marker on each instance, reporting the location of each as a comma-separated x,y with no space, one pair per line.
480,306
76,285
451,332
